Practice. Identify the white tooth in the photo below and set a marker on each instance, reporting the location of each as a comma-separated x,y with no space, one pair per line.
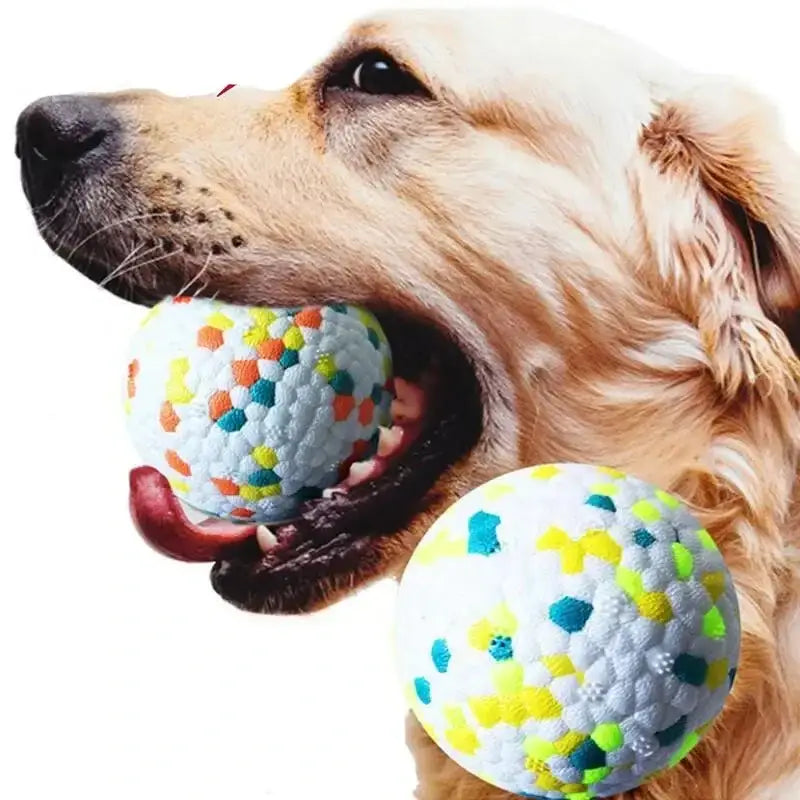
266,538
389,441
333,491
360,471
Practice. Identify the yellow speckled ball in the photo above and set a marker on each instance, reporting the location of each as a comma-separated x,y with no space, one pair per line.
567,631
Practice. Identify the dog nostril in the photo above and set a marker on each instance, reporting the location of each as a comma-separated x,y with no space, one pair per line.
201,217
175,215
228,214
237,241
62,130
50,141
216,249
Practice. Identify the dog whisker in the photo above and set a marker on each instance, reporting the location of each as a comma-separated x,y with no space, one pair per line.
115,223
127,260
125,267
48,223
42,206
200,289
134,267
68,233
200,272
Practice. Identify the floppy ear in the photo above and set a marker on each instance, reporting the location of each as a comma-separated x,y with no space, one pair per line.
721,192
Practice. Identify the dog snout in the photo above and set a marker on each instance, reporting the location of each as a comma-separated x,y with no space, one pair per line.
61,137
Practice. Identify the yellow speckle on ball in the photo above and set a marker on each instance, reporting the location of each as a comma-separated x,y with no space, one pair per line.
545,472
655,606
646,511
293,338
264,456
486,710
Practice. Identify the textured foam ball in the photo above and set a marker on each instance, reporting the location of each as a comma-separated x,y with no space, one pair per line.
567,631
248,410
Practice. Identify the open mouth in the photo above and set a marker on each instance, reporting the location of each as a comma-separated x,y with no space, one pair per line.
343,537
436,421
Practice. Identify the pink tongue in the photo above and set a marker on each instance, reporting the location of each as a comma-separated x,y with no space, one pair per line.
161,520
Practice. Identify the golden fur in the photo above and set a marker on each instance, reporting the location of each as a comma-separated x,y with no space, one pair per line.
613,241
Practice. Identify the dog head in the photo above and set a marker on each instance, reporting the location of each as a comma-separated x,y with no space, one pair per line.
600,251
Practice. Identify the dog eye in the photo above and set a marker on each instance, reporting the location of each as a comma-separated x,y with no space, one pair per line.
376,73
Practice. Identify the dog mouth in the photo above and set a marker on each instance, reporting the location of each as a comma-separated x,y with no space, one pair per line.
355,531
352,533
436,421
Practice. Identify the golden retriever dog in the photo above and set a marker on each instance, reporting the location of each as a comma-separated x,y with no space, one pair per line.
581,251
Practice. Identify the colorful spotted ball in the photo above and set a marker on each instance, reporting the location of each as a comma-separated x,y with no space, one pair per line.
567,631
249,411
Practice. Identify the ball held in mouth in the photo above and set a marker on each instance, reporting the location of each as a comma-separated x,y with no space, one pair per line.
250,411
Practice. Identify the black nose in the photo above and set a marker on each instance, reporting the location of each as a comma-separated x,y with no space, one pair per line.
63,136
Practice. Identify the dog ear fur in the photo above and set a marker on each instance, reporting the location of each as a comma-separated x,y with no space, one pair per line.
727,238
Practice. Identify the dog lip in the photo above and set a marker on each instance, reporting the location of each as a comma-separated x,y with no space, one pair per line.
332,534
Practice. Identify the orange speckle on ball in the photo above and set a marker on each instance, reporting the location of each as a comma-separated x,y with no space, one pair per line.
241,512
168,418
177,463
226,486
308,318
133,371
366,411
218,404
245,373
342,406
271,349
210,338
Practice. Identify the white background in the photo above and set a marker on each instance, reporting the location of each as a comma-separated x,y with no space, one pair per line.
123,675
